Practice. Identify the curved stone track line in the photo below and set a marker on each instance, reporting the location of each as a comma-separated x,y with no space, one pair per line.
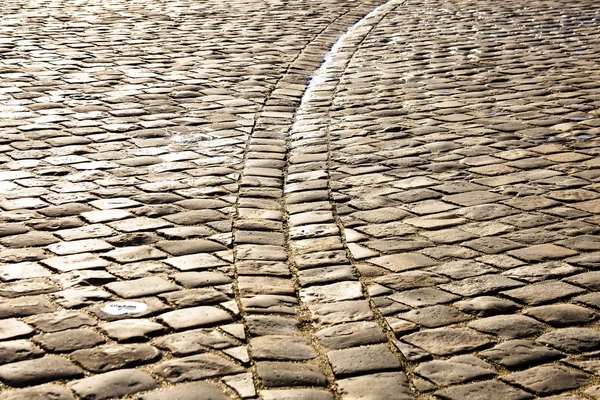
348,327
460,155
269,282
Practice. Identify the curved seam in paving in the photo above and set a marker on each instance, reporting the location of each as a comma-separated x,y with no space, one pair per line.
245,157
333,70
256,137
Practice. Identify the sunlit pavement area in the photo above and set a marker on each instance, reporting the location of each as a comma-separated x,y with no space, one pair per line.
303,200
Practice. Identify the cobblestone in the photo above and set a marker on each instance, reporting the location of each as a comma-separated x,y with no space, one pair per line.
327,200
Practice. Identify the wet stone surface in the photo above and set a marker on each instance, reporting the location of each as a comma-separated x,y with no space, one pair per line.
209,200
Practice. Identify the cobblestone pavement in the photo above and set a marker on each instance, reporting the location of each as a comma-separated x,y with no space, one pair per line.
185,216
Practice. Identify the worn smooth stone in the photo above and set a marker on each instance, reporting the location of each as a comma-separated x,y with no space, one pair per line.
200,279
281,374
508,326
572,340
114,356
278,347
486,306
272,325
364,359
547,379
384,385
194,341
515,354
18,350
60,321
40,370
195,317
343,311
42,392
196,367
459,369
447,341
68,340
483,391
562,314
434,316
141,287
334,292
351,334
131,329
12,329
194,297
25,306
296,394
188,391
113,384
